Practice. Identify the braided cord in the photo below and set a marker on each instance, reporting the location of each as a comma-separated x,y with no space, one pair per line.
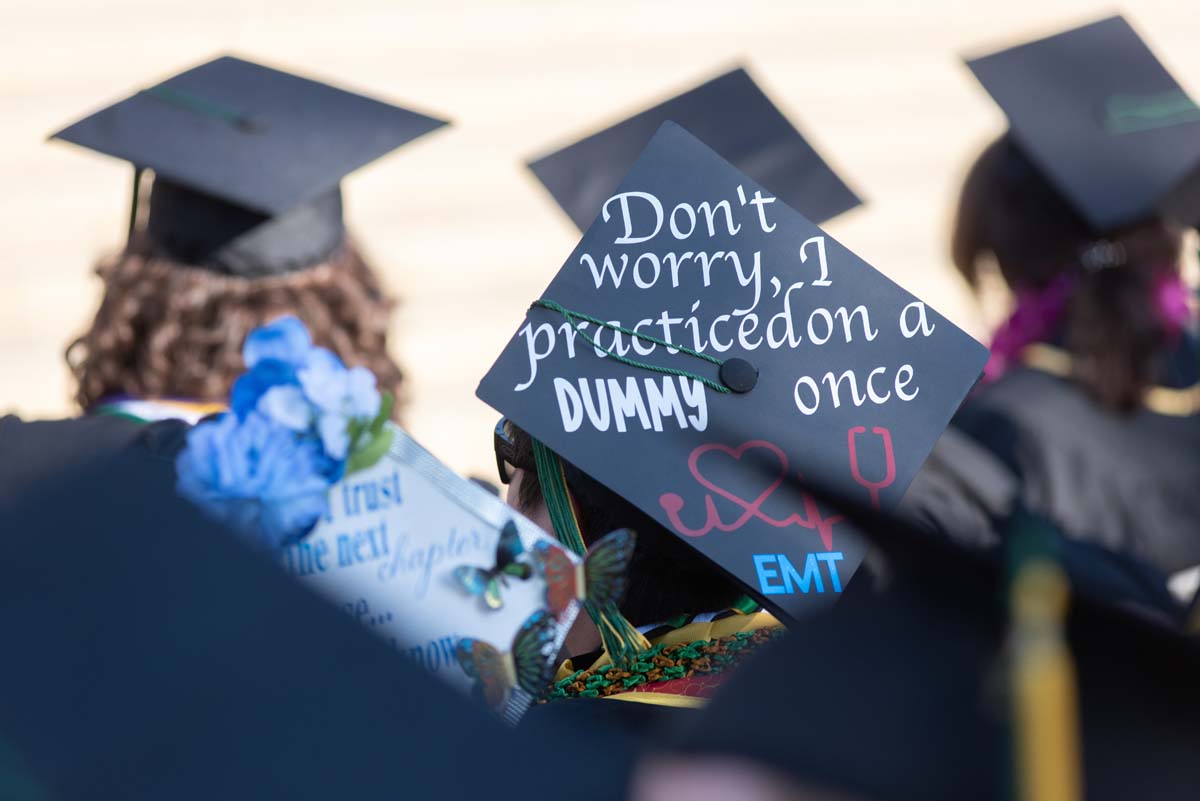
572,316
621,639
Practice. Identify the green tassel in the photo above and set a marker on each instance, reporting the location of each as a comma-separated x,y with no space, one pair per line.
557,498
134,202
622,641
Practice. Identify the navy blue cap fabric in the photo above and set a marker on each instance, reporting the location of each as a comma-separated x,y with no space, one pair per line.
1102,118
247,162
902,693
253,136
149,655
732,115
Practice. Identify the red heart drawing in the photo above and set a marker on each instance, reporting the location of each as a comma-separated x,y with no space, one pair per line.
737,453
673,504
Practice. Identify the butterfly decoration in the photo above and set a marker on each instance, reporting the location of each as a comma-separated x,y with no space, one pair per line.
601,578
486,582
530,664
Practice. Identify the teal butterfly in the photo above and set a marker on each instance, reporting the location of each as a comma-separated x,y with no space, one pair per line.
530,664
486,582
602,578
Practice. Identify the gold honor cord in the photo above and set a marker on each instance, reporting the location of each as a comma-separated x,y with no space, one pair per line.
1045,707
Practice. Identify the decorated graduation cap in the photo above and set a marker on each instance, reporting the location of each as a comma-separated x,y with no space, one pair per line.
974,674
467,588
1101,117
247,162
124,642
307,466
705,350
735,118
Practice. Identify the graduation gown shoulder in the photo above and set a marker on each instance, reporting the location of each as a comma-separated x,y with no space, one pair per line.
1126,483
34,451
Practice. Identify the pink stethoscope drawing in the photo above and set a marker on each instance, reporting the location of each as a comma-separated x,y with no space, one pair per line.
889,455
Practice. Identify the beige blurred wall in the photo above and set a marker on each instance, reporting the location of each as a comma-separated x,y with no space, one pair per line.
460,230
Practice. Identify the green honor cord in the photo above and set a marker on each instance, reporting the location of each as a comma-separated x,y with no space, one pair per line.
574,317
621,640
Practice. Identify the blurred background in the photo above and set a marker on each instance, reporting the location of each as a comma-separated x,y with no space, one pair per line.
460,230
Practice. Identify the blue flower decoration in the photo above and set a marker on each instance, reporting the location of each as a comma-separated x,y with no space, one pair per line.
299,421
256,476
339,396
283,340
273,354
250,386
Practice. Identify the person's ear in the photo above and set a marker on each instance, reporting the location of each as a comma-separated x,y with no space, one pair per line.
538,513
512,490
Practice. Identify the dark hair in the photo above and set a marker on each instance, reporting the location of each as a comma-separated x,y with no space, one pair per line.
1008,211
167,330
666,577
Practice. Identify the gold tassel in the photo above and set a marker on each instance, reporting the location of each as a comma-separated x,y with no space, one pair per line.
1193,622
1046,714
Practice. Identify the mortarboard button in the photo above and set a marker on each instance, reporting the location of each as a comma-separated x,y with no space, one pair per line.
738,374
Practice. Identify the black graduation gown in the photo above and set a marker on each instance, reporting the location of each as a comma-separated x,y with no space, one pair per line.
151,655
33,452
1126,483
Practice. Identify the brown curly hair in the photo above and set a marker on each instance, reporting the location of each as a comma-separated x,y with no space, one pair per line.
168,330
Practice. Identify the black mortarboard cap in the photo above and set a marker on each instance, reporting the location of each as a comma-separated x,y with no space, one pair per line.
147,665
247,161
803,368
901,694
1102,118
734,117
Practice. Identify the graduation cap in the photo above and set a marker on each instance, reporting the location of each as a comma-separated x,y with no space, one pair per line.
427,559
184,666
921,690
705,345
247,161
1102,118
735,118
